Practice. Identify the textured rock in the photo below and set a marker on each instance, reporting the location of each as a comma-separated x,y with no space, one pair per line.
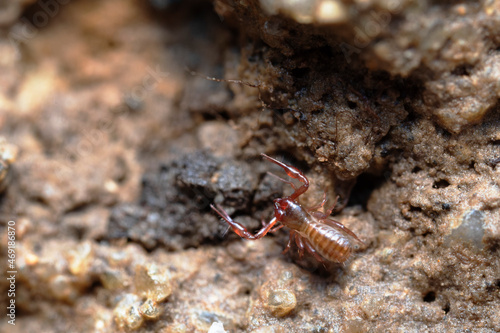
393,106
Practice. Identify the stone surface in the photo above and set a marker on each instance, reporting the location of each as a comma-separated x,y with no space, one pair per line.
119,151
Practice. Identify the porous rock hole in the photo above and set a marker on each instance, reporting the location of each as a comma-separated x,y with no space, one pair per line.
362,191
430,297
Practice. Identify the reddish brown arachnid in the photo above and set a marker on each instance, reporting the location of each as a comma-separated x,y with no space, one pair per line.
311,229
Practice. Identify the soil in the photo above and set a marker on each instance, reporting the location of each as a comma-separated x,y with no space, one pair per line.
121,122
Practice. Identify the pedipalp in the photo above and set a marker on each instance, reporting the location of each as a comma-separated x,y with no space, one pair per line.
239,229
293,172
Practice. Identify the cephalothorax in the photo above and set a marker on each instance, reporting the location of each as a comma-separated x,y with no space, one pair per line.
310,229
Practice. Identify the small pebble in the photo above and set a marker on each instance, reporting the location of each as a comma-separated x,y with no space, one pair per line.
281,302
126,313
150,309
153,281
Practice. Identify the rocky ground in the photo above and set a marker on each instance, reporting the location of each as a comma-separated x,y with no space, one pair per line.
122,121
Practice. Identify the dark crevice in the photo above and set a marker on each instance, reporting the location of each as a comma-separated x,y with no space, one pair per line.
78,232
415,209
362,191
301,73
430,297
212,115
79,208
444,133
41,200
416,169
351,105
40,17
443,183
462,70
495,142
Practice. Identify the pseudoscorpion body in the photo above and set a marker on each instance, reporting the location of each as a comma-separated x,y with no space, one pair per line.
311,230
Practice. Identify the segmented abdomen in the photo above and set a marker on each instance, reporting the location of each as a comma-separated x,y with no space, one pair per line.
330,243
